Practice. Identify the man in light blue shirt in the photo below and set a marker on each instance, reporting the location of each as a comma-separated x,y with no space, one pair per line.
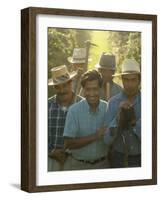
113,108
124,130
85,126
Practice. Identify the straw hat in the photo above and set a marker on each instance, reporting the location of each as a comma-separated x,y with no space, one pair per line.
60,75
129,66
107,61
79,56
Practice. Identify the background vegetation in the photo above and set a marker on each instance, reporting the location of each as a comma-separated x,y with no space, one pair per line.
61,43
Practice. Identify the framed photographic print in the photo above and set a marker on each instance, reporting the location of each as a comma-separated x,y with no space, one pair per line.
52,41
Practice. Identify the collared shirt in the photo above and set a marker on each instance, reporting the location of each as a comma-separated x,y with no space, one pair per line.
112,111
80,122
114,90
56,122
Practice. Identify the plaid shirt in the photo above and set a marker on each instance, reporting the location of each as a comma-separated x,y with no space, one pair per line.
56,123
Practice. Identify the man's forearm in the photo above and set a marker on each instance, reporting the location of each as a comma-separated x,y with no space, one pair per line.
76,143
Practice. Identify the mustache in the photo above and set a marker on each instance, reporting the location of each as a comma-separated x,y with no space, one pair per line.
61,93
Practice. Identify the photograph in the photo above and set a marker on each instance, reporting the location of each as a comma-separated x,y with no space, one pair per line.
98,75
87,80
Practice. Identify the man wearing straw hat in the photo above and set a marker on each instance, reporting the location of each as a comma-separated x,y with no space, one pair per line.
124,119
107,67
57,110
85,126
79,64
78,59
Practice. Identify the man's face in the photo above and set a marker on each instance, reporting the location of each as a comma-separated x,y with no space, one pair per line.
79,66
131,84
92,92
64,90
106,74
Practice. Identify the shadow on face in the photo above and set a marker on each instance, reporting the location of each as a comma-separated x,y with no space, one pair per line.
77,66
92,92
131,83
64,89
106,74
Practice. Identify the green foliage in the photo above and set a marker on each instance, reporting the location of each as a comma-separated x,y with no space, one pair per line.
124,45
134,46
61,43
59,46
100,39
81,36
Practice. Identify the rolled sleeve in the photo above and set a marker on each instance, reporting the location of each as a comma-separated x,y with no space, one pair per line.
111,122
109,136
111,115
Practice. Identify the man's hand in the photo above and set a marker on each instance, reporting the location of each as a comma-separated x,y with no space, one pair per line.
125,104
100,132
59,155
126,115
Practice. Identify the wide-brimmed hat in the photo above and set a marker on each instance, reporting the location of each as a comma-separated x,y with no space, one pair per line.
60,75
129,66
106,61
79,56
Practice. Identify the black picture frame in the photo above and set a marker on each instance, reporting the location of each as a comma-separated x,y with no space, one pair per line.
28,98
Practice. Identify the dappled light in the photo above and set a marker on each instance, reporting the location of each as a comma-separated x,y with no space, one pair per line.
61,43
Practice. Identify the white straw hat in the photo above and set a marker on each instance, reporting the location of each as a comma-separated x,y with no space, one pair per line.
79,56
129,66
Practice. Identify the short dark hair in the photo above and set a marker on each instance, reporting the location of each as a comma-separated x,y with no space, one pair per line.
90,76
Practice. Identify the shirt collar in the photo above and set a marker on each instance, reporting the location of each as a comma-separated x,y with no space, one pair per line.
56,101
89,108
56,104
138,96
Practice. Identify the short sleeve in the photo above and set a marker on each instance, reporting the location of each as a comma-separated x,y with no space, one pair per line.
111,116
109,136
71,124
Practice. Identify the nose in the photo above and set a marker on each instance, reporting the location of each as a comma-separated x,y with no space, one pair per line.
92,93
61,89
130,84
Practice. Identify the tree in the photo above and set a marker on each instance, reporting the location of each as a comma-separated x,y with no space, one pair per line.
124,45
61,43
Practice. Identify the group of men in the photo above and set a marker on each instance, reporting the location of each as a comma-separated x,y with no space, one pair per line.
101,128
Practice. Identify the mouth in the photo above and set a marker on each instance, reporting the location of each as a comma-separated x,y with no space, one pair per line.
92,98
62,94
129,90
